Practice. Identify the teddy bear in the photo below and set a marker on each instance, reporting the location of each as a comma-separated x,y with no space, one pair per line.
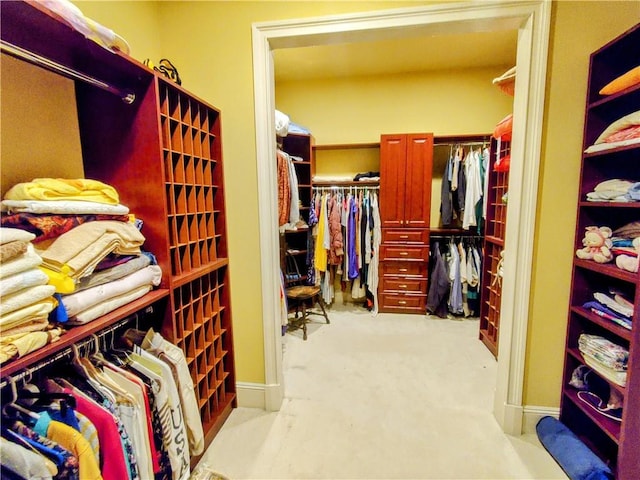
597,245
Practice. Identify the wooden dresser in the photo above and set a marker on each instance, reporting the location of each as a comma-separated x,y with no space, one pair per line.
406,162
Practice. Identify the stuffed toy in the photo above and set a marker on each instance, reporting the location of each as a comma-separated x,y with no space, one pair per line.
629,262
597,245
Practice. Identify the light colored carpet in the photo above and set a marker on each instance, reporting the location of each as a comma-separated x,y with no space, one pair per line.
385,397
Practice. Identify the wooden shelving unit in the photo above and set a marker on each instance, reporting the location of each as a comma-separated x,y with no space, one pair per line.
295,241
616,443
495,228
163,154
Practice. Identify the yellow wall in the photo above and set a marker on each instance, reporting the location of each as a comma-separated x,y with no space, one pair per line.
210,43
577,29
359,109
39,135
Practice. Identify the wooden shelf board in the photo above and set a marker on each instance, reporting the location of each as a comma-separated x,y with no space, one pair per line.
610,427
603,322
345,183
194,273
76,334
607,269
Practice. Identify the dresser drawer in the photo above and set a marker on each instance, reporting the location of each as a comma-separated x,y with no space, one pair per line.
404,252
408,284
400,235
391,302
400,268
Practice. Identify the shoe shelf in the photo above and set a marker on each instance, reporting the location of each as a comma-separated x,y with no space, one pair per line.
190,144
495,229
615,442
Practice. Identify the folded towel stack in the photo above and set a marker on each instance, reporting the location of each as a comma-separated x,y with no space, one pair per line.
83,246
27,300
605,357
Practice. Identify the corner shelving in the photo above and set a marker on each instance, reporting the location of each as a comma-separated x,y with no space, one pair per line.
616,443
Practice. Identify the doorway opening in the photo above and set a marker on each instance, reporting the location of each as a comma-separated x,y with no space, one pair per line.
531,20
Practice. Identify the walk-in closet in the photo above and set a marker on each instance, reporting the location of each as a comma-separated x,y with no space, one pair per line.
414,223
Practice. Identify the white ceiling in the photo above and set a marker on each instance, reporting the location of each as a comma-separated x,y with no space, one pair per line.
400,55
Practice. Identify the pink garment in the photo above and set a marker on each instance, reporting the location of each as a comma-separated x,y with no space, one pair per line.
112,459
335,233
624,134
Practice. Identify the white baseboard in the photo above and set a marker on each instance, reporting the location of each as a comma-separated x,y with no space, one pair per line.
250,395
259,395
532,414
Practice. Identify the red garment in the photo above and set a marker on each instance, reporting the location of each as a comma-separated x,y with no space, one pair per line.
284,190
113,464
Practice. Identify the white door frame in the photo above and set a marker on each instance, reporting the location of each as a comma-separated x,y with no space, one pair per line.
532,20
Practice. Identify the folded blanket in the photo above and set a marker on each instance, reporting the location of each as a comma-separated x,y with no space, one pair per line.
81,249
22,263
47,226
77,207
85,299
108,306
630,230
114,273
27,314
11,250
35,325
64,189
29,278
25,297
604,351
19,345
8,234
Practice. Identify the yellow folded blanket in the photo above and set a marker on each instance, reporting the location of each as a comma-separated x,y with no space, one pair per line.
64,189
76,253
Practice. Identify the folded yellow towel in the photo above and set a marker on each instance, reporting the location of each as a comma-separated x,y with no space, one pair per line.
64,189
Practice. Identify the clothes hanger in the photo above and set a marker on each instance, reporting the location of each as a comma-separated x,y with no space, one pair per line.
13,405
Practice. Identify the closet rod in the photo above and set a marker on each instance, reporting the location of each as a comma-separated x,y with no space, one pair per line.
345,187
66,352
461,144
35,59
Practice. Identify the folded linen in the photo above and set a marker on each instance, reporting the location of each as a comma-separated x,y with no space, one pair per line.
617,377
46,226
613,304
35,325
80,301
20,344
12,250
81,249
27,314
604,351
25,297
64,189
77,207
114,273
108,306
29,278
22,263
8,234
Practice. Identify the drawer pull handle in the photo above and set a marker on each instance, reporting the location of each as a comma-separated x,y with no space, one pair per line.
402,286
403,269
404,236
402,302
404,253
